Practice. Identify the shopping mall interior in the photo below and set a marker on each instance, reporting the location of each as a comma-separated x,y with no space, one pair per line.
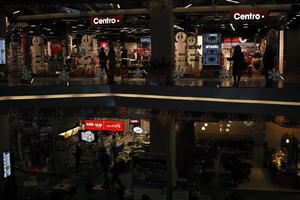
150,100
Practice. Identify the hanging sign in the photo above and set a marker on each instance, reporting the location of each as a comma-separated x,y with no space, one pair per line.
104,125
107,21
248,16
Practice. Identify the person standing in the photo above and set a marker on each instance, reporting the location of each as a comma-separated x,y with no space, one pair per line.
268,61
103,60
238,64
105,162
111,64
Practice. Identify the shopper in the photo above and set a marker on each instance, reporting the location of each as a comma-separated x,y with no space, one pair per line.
239,64
77,156
268,61
103,60
115,172
124,58
111,64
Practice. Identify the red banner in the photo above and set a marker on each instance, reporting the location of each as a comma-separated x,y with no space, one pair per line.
107,21
104,125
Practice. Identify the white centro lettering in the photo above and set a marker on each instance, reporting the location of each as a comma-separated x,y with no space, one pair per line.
95,20
104,21
257,16
236,16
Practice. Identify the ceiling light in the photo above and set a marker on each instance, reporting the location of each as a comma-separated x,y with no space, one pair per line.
118,5
31,31
16,12
32,25
231,25
188,6
228,125
203,128
74,26
298,15
205,124
227,130
294,18
221,129
80,25
232,1
287,141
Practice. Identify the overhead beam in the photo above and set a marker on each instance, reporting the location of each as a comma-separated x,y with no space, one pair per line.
204,9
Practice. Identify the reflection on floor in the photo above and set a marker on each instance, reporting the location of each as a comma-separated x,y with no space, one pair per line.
254,81
260,180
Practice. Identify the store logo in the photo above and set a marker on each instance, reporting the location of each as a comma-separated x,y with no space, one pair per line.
249,16
107,21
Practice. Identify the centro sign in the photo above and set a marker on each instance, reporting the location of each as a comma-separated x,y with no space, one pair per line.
107,21
248,16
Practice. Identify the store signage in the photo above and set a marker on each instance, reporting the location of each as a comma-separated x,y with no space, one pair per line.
135,121
107,21
233,40
248,16
70,132
6,164
145,40
138,130
104,44
104,125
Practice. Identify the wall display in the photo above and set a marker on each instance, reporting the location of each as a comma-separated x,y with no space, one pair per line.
104,125
2,51
38,55
107,21
180,53
6,164
212,49
248,16
145,40
89,45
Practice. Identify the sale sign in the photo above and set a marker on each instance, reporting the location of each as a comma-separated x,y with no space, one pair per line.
104,125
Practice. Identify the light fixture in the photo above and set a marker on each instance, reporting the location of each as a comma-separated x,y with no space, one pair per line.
231,25
118,5
287,141
203,128
232,1
227,130
298,15
221,129
294,18
32,25
228,125
80,25
16,12
229,121
205,124
188,6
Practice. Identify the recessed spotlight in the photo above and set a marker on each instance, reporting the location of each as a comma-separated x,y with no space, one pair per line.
74,26
16,12
294,18
32,25
118,5
80,25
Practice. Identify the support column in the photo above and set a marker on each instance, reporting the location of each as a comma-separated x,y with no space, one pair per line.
4,146
3,67
163,141
281,51
162,41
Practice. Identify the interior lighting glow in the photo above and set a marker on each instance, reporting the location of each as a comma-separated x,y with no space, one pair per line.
228,125
287,141
227,130
221,129
232,1
205,124
203,128
231,25
16,12
188,6
118,5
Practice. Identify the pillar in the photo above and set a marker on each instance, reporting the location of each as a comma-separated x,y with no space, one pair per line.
162,40
4,146
281,51
3,34
185,143
163,141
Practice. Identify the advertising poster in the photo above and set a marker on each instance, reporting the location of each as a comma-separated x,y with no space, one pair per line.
6,164
150,177
2,51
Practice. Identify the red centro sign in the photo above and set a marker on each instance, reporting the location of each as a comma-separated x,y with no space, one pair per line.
107,21
103,125
248,16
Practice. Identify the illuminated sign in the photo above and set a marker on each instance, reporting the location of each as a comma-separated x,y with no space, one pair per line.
138,130
104,44
107,21
6,164
104,125
145,40
2,51
134,121
87,136
248,16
